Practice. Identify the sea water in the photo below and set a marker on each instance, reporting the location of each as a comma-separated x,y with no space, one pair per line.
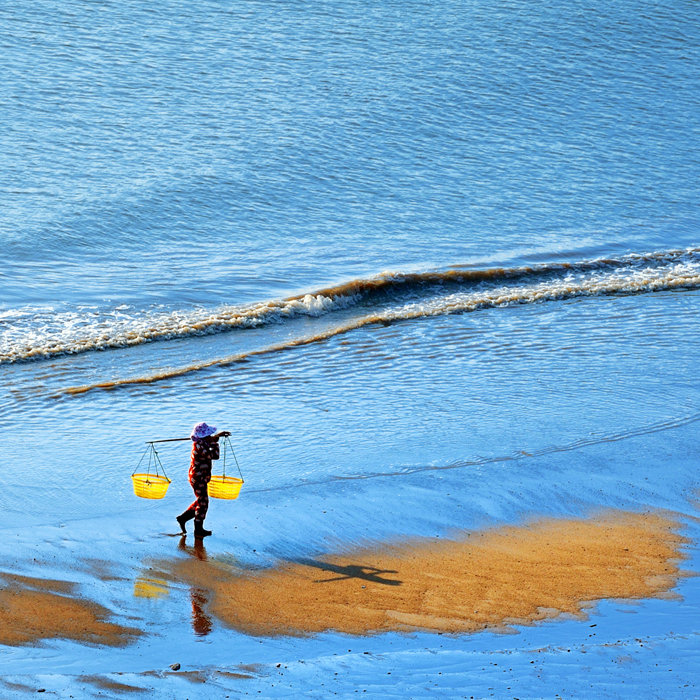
435,265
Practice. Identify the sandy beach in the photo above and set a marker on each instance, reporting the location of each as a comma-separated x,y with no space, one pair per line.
513,575
488,581
561,568
35,609
435,268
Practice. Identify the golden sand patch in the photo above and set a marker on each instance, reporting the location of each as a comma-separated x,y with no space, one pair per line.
106,683
33,609
494,578
18,687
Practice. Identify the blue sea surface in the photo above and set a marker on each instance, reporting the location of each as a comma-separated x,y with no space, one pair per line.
170,153
436,265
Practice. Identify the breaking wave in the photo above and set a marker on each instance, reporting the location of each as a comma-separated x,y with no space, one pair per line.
633,275
387,298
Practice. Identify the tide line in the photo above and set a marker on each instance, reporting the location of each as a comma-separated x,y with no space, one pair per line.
73,333
642,283
498,459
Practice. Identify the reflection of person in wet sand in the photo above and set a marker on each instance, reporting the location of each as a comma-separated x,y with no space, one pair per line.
201,622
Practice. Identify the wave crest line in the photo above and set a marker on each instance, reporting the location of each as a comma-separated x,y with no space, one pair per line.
113,332
486,299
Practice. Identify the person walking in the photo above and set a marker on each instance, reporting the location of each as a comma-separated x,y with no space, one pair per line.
205,448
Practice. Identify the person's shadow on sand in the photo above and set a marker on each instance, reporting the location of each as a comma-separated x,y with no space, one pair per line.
201,622
366,573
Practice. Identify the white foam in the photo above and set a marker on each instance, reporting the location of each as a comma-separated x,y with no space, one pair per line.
34,333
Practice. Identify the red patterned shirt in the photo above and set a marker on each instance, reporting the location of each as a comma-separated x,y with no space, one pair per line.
203,452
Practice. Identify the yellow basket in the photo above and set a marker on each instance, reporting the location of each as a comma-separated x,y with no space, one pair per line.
227,487
150,485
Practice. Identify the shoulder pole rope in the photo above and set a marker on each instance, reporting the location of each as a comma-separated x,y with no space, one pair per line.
141,460
234,457
157,462
153,461
227,443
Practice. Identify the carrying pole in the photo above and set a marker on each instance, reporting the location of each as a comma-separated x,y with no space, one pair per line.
151,442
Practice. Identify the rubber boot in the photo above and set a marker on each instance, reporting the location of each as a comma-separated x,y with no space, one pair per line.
199,530
183,518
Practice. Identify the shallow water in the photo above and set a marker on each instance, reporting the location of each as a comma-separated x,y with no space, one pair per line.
436,268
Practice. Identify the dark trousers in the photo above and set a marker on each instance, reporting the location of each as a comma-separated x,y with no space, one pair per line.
201,504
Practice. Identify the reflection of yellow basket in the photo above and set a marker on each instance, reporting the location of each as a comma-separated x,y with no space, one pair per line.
227,487
150,587
150,485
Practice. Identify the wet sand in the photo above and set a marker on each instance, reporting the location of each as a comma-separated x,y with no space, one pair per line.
509,575
474,581
32,609
106,684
